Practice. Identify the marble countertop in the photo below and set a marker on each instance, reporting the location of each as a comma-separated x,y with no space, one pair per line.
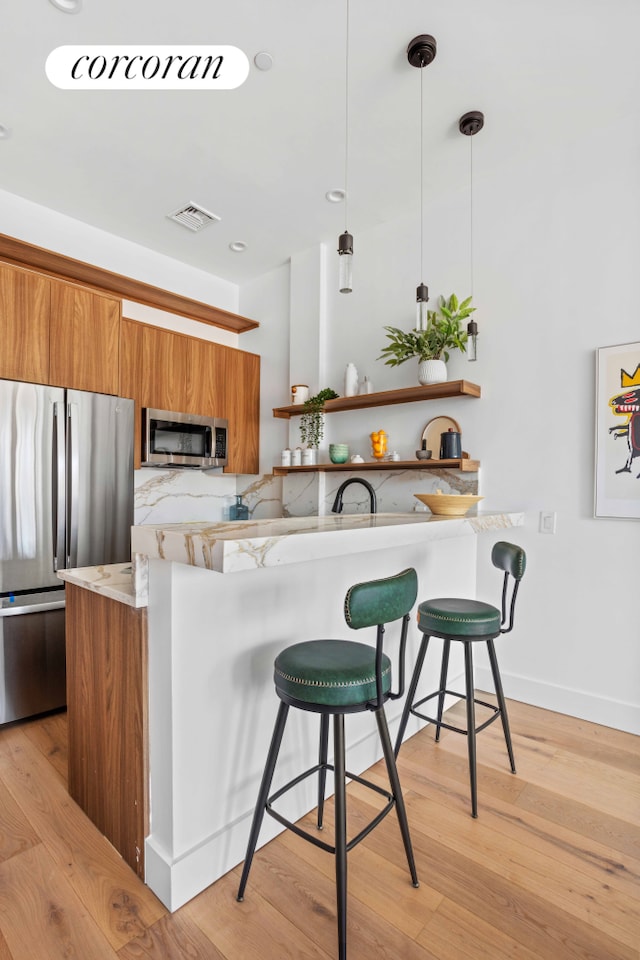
118,581
236,546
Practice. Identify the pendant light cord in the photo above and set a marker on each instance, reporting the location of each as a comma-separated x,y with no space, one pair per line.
421,178
471,212
346,123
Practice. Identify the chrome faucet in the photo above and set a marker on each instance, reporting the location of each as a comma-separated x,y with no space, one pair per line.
337,503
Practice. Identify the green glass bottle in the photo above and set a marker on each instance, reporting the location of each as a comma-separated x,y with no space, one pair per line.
239,510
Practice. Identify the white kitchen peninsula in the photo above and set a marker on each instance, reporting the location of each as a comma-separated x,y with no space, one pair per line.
223,599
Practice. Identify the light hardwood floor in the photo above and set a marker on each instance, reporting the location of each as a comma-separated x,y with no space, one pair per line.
550,869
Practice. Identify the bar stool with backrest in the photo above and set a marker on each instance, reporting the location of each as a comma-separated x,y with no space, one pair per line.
468,621
333,678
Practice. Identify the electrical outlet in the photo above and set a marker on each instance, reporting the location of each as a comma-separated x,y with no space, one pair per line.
547,522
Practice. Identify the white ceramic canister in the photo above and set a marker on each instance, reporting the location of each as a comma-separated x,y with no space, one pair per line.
351,380
296,457
299,393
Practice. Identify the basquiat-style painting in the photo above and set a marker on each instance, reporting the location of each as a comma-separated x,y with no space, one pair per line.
617,491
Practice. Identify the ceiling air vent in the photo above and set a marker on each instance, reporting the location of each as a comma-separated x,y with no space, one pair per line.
193,216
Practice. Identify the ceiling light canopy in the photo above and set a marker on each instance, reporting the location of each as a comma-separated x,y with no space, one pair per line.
238,246
5,132
67,6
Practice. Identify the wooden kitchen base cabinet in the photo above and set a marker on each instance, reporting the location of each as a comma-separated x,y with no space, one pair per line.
107,717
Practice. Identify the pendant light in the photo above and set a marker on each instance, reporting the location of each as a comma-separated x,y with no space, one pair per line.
420,53
345,240
470,124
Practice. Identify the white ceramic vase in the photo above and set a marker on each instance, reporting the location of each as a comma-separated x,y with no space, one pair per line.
351,380
432,371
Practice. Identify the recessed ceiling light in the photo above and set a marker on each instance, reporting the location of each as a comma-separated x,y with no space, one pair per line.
263,60
335,196
238,246
5,132
67,6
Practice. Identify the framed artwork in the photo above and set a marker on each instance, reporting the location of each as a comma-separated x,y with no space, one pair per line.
617,481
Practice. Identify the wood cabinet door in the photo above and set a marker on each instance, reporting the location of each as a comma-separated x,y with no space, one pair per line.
84,339
131,366
206,379
24,325
107,691
242,406
165,369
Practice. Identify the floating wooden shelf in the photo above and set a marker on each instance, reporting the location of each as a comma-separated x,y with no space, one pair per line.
435,391
465,465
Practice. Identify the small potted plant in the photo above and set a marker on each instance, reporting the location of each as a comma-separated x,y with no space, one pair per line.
312,418
444,332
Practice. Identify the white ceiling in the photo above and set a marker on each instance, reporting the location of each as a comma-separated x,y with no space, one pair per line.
263,156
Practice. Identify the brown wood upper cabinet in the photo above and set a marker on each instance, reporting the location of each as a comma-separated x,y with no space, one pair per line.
173,371
25,300
57,333
84,339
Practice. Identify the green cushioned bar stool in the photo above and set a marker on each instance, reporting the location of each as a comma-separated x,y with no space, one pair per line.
468,621
333,678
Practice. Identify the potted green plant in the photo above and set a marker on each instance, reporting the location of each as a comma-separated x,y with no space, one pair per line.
444,332
312,418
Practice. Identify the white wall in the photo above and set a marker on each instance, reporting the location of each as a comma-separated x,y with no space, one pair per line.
557,243
268,300
45,228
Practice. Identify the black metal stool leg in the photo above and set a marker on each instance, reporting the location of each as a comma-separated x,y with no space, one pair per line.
322,760
471,727
497,682
413,686
396,790
263,794
340,832
444,669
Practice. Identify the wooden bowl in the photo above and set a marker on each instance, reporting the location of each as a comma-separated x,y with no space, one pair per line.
448,504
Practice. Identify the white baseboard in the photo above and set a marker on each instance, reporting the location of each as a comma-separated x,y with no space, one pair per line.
177,881
573,703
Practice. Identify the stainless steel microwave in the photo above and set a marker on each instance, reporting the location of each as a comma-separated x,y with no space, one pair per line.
183,440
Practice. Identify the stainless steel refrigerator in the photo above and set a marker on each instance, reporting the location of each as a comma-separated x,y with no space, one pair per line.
66,500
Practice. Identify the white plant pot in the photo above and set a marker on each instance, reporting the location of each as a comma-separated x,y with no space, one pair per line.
432,371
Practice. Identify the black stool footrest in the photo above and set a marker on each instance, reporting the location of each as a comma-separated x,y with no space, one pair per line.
495,711
310,836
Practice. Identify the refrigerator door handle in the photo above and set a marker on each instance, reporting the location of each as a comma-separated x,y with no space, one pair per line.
73,486
31,608
58,483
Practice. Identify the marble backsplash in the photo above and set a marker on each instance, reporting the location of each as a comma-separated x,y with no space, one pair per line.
181,496
178,496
